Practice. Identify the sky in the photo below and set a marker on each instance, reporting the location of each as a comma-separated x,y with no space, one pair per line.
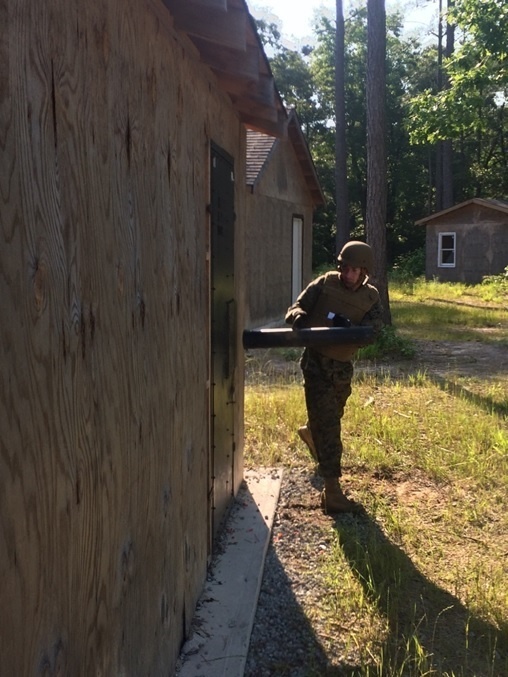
297,15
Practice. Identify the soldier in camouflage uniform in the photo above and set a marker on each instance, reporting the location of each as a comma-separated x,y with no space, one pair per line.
338,298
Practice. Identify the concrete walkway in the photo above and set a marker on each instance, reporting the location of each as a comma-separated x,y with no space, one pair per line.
222,624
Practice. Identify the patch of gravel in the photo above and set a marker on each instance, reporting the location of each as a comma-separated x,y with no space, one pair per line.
283,642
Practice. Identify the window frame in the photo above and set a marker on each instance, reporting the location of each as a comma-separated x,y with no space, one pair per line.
441,250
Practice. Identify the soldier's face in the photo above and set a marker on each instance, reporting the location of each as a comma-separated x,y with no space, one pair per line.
351,277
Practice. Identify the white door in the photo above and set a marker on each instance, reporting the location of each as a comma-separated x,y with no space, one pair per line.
297,276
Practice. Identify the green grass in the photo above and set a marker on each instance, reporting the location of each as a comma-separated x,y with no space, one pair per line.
420,583
450,312
438,321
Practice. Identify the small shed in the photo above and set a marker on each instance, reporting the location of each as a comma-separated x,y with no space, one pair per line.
122,246
283,193
467,242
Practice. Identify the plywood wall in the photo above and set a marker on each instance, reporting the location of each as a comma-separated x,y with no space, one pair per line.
105,121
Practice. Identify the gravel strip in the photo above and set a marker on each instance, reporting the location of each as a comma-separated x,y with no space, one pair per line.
283,642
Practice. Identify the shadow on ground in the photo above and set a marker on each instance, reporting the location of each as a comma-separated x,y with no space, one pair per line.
429,630
425,621
283,642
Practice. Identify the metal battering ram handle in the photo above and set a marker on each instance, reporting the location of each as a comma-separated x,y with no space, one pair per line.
313,337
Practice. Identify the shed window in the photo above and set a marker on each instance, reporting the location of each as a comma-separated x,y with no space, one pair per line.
446,253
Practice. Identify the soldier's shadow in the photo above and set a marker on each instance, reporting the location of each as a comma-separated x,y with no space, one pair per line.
430,630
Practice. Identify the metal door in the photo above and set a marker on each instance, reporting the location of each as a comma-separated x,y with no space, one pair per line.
223,331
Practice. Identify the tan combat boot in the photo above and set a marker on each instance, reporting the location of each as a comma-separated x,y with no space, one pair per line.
306,437
333,499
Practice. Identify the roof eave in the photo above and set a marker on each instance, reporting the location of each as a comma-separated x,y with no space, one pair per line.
225,35
490,204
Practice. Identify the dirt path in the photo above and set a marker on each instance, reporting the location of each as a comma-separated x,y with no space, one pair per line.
470,361
464,359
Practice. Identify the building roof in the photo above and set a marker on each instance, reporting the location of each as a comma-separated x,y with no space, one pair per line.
225,36
260,146
499,205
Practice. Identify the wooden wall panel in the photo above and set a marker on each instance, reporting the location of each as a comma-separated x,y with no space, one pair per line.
105,121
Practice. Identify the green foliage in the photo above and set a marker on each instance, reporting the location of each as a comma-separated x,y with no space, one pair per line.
471,112
269,34
389,344
484,24
408,266
499,282
291,354
296,85
471,109
407,167
306,81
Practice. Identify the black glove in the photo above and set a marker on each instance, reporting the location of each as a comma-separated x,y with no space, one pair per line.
299,322
341,321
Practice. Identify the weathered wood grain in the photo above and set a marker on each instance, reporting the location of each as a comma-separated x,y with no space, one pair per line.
106,116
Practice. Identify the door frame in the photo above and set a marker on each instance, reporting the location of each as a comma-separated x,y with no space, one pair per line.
222,350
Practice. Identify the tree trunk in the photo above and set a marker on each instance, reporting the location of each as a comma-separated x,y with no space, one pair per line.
444,150
376,146
439,144
341,187
447,145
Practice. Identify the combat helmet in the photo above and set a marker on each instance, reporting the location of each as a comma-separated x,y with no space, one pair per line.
357,255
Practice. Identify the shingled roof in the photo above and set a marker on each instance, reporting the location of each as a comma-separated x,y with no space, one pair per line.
260,146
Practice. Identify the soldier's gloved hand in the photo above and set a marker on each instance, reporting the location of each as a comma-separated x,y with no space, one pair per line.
300,322
341,321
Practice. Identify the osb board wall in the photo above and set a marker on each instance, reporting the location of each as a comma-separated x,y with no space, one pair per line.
105,122
280,194
481,245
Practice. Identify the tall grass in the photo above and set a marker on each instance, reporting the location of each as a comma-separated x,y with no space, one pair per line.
419,584
437,311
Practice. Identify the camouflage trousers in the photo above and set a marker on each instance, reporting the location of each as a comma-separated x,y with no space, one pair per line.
327,385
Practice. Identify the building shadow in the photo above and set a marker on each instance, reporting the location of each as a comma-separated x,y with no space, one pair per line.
446,384
431,632
283,642
486,403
